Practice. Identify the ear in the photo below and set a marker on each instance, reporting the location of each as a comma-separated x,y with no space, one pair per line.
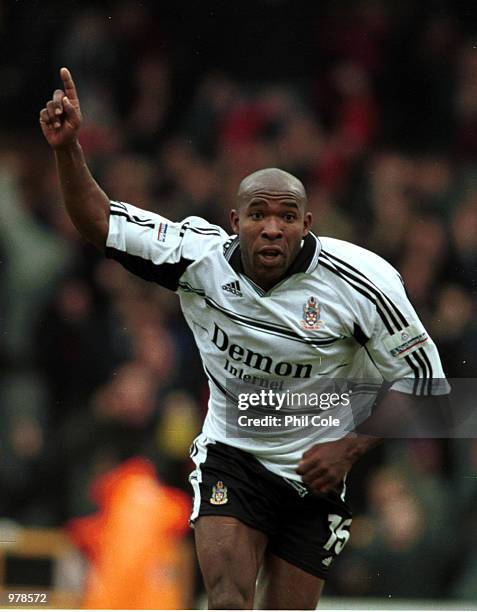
307,222
234,221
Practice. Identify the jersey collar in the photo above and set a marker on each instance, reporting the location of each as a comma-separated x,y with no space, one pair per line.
305,262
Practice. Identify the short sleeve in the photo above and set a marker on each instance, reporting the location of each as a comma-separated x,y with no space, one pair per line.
401,347
154,248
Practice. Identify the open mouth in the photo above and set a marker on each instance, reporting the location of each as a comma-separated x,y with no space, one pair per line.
270,254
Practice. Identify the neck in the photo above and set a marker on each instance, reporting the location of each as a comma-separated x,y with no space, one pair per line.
265,282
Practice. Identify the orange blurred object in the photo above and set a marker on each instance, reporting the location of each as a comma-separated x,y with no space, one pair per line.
135,543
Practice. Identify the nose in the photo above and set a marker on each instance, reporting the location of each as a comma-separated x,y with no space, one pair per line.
272,230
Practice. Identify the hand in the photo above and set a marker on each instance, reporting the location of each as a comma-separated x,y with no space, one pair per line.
61,119
325,465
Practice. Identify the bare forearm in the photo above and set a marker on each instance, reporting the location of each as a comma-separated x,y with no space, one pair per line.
325,465
359,444
85,201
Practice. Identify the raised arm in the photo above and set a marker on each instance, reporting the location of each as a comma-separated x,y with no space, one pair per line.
85,201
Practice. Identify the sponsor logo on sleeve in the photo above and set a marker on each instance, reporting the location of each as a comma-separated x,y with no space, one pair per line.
162,232
406,341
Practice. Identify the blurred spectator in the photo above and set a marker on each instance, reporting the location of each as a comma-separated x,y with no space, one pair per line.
421,262
455,332
36,257
464,240
393,537
66,343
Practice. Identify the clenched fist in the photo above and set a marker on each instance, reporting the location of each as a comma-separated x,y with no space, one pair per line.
61,119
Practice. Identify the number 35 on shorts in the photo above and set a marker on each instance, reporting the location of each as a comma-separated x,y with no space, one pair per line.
339,528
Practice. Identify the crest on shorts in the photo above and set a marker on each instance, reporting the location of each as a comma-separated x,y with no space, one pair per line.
311,314
219,494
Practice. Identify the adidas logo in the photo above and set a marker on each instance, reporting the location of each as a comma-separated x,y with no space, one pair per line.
233,287
327,561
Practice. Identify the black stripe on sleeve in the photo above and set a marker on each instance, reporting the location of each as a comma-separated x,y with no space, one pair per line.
378,299
119,205
331,267
429,366
423,372
167,274
133,219
415,369
203,231
425,377
360,277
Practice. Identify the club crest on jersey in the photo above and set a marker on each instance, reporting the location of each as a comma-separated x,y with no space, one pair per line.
311,314
219,494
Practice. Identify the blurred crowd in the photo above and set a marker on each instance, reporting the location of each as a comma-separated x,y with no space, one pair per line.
373,106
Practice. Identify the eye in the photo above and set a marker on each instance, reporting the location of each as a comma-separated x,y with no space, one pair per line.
289,217
256,215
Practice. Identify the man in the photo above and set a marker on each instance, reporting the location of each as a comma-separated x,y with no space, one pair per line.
270,307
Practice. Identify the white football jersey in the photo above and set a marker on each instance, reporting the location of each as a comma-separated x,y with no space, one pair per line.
340,313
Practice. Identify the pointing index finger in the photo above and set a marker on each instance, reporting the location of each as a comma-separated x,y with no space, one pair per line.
69,85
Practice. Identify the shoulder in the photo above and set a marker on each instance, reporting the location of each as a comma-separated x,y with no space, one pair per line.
357,264
201,227
352,253
199,237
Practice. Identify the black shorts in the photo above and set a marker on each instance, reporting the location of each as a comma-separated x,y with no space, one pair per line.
305,529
